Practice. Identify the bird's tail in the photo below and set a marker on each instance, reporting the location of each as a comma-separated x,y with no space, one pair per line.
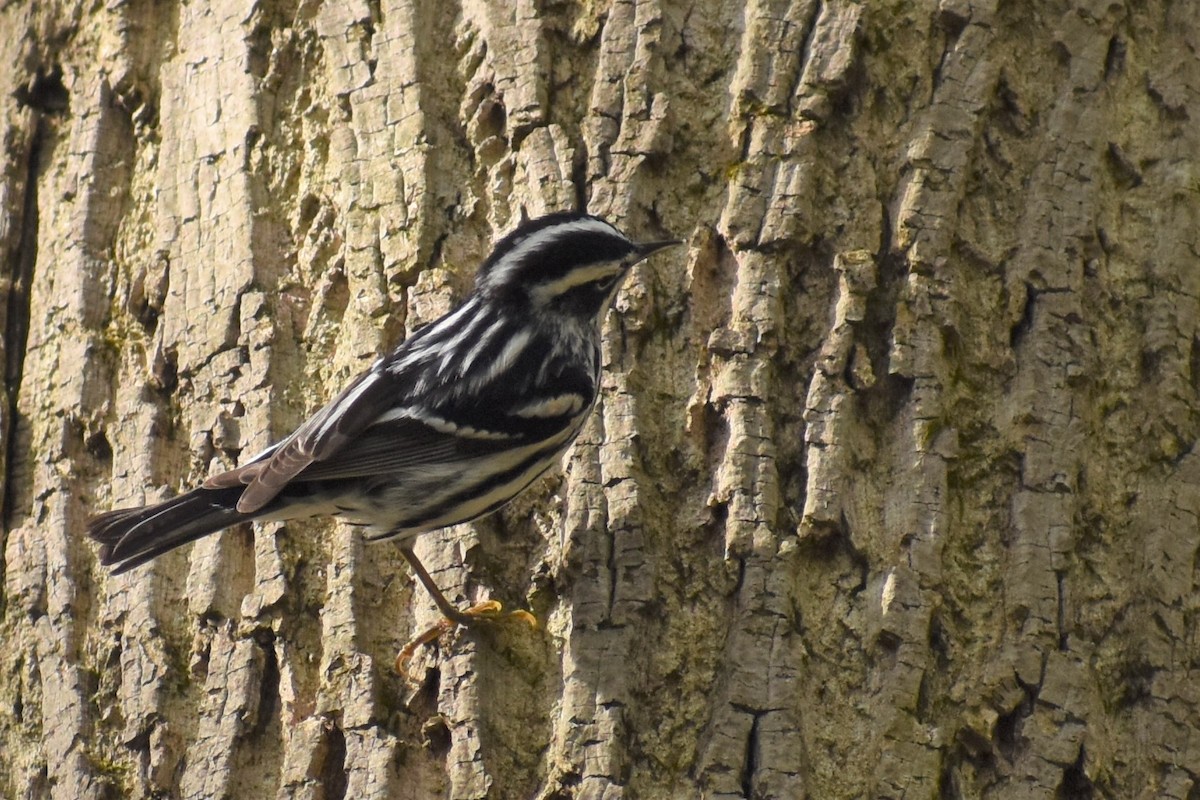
130,537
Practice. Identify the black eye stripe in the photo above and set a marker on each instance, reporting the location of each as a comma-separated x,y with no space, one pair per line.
564,255
584,300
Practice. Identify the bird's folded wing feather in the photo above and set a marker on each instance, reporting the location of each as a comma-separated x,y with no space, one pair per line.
399,444
319,438
365,431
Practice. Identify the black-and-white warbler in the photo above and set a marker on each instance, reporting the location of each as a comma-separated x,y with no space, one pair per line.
451,425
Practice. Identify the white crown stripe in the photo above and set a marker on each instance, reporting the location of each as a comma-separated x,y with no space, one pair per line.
513,258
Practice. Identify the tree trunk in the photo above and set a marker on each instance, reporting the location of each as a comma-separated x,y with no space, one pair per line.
893,490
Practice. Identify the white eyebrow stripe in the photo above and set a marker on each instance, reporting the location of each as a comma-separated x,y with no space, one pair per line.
513,258
544,292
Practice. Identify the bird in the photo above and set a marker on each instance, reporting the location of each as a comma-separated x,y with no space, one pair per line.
457,420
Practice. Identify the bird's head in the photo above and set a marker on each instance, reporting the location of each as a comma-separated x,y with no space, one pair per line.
567,263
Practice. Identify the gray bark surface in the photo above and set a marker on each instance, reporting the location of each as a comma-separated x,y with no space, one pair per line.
893,490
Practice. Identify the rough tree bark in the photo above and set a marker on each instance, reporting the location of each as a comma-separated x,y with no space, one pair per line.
894,487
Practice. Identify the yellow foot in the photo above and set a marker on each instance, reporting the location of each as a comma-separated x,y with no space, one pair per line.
489,611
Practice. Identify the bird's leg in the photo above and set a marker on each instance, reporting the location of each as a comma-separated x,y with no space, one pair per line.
487,611
448,609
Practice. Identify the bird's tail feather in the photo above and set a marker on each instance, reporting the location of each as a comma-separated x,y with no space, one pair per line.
130,537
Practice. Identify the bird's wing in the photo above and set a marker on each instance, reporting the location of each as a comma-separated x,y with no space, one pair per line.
367,430
397,444
390,418
322,435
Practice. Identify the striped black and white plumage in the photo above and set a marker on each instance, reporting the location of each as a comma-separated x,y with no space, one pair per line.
455,422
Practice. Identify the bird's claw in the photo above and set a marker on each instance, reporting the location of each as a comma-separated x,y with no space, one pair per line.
489,611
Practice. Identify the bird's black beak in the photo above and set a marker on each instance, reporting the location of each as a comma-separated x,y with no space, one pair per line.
644,250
